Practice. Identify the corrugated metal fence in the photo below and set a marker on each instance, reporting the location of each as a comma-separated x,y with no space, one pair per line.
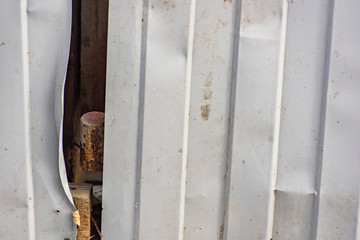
232,120
34,48
224,120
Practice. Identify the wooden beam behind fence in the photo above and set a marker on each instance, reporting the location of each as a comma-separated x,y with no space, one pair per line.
82,197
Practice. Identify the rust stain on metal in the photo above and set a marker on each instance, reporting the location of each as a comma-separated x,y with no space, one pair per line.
92,141
169,4
207,93
221,231
205,112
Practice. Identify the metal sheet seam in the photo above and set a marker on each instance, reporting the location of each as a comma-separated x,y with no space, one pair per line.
26,87
277,113
140,128
230,140
189,62
315,218
59,117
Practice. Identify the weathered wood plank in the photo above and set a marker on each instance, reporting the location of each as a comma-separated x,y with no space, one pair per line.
82,198
71,98
94,18
85,86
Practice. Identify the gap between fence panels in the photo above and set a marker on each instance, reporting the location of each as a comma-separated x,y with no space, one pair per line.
84,106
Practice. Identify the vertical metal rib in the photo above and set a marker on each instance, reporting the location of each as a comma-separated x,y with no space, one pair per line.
276,133
140,127
27,119
234,78
189,63
315,216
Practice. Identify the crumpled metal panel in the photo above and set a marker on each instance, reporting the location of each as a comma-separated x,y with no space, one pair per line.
232,120
34,48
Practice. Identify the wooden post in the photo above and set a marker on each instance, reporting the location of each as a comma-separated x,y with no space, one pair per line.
81,193
85,83
71,139
92,141
94,22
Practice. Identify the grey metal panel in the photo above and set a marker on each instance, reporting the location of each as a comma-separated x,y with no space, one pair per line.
255,129
17,197
215,121
165,105
301,120
339,190
34,39
122,119
207,138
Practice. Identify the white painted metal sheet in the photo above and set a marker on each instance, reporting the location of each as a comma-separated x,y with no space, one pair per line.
232,120
339,189
34,48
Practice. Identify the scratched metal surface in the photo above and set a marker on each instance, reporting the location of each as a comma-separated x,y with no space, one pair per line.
34,48
232,120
